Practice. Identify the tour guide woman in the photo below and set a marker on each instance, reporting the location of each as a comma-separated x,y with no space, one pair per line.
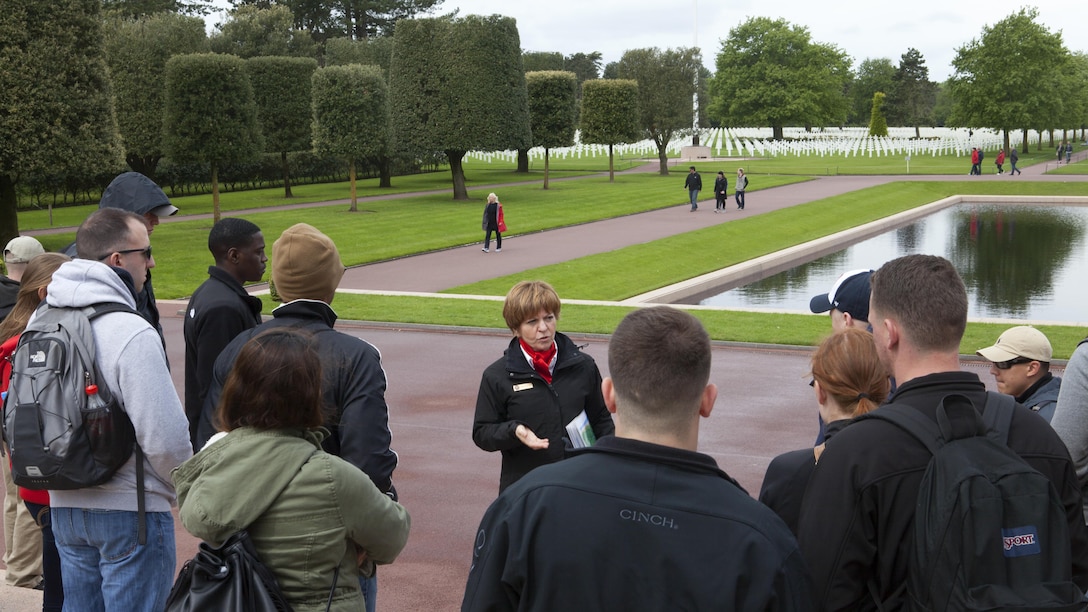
542,383
313,517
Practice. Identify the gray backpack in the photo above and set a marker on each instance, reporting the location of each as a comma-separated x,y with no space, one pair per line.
63,426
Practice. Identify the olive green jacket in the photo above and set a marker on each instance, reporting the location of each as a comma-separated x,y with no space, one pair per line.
306,511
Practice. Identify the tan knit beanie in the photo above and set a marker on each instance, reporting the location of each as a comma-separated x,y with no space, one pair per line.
305,264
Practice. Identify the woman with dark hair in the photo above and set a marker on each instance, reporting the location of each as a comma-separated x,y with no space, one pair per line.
848,381
32,291
316,521
540,391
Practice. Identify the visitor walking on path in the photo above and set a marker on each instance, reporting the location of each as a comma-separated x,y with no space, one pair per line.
493,222
721,186
1013,158
742,184
1000,161
694,184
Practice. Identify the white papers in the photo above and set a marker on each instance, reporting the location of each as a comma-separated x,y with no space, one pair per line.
580,432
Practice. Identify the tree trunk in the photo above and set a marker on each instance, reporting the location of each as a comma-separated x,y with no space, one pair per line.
546,167
1025,143
145,165
523,161
215,192
460,192
9,209
385,172
1051,138
662,158
778,133
286,175
611,166
1005,140
351,174
918,132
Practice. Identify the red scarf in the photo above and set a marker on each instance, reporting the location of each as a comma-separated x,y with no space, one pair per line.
540,360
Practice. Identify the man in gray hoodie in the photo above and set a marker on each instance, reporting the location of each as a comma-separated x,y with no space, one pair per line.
103,563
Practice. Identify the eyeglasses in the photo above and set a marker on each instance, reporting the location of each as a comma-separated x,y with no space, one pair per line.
1004,365
146,252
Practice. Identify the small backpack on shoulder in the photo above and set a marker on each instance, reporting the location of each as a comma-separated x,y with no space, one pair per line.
990,531
63,426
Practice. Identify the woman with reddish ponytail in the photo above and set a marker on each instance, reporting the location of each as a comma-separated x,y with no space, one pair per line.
543,394
32,291
848,381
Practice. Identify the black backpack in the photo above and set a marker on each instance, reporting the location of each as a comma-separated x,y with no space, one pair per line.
990,531
227,577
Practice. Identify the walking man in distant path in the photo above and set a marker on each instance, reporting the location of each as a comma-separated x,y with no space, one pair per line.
694,184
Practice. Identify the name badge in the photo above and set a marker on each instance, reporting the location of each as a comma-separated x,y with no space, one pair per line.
523,387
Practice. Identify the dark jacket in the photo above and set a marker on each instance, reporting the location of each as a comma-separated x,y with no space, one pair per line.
787,478
693,182
721,185
1042,397
491,217
219,310
628,525
9,292
354,390
512,393
858,513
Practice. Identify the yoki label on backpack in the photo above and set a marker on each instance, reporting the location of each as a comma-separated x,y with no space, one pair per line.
1021,541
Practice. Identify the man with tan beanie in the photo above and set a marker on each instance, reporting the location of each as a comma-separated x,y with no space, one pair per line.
306,270
1021,368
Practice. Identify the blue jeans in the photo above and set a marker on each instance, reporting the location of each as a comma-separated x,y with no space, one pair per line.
739,197
694,194
105,568
369,587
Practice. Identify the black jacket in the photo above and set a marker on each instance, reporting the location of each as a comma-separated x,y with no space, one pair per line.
354,389
693,182
787,478
629,525
512,393
858,512
491,217
9,292
219,310
721,185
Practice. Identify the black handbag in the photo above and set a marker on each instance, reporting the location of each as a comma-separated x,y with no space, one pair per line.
230,577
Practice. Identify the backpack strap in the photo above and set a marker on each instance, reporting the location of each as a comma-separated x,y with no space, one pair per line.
93,313
997,416
911,421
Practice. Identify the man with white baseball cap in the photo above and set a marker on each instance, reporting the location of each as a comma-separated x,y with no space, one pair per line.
1021,368
18,252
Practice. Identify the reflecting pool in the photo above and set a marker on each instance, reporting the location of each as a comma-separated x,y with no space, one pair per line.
1018,262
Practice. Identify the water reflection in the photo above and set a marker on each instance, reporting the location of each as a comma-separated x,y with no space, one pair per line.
1016,261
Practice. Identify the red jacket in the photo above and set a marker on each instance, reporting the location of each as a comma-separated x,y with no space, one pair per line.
6,351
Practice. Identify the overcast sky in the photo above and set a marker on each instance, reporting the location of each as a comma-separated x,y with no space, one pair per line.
863,29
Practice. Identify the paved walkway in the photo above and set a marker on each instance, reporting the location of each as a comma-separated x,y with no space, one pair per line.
765,406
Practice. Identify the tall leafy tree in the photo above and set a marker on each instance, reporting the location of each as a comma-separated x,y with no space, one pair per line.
56,116
137,51
551,110
990,90
873,75
252,31
143,8
356,19
772,73
913,95
376,51
537,61
610,115
586,66
281,90
211,116
458,86
878,124
351,115
666,86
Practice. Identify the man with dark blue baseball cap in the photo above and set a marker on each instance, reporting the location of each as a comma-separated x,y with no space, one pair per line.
847,301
